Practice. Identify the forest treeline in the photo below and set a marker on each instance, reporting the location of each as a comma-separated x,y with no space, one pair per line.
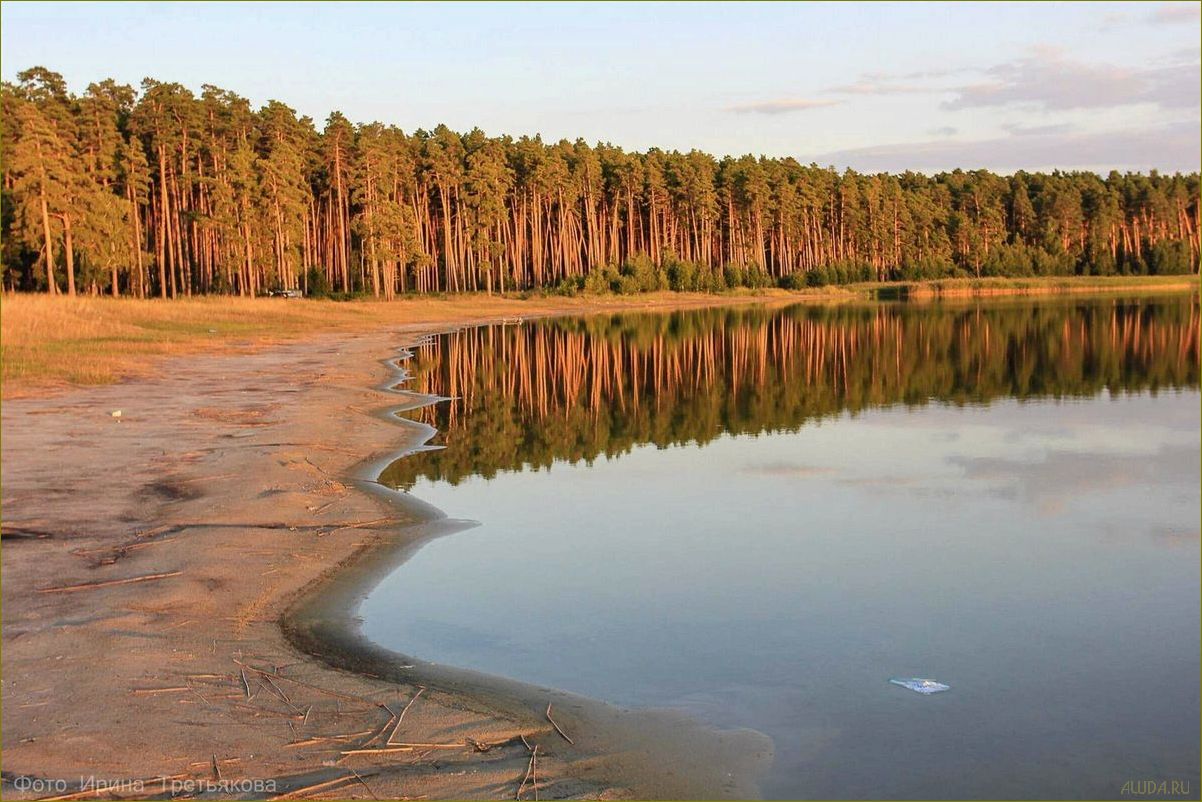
524,396
159,192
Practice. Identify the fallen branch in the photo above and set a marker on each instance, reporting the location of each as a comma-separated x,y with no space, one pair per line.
364,784
381,751
529,772
404,747
108,583
308,789
401,717
152,691
557,727
303,684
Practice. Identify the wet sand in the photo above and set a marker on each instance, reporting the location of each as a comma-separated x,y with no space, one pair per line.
178,588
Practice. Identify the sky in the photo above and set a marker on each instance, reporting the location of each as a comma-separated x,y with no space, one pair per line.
872,86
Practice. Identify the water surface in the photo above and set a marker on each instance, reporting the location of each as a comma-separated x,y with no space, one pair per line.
758,517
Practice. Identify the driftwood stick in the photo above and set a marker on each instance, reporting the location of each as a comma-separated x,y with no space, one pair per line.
557,727
401,717
529,771
303,684
387,750
378,734
108,583
363,782
308,789
276,688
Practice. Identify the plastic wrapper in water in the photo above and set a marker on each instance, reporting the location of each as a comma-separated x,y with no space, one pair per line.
919,685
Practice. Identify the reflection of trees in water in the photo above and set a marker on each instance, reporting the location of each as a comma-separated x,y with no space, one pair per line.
578,388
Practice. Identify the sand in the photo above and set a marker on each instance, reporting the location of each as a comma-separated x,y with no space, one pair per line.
178,593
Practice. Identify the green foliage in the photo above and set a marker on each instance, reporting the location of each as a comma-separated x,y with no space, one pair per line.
161,191
317,284
1169,259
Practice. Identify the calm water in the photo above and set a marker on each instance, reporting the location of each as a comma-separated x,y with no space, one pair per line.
759,517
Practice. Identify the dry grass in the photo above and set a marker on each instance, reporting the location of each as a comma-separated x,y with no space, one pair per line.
1049,285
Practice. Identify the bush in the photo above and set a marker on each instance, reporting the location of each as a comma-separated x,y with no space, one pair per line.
1169,259
641,274
317,286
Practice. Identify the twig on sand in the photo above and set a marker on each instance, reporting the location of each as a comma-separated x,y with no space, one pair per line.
401,717
530,769
216,770
557,727
380,732
245,683
152,691
363,782
308,789
303,684
108,583
387,750
317,739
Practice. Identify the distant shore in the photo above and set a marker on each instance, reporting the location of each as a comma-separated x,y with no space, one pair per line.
51,343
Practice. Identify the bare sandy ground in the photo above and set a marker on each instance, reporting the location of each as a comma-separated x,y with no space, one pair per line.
149,563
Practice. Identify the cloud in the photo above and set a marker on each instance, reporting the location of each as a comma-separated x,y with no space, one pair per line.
784,106
1176,14
1061,477
1050,80
783,468
943,130
1018,129
885,87
1168,147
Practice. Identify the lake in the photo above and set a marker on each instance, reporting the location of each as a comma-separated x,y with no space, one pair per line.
759,516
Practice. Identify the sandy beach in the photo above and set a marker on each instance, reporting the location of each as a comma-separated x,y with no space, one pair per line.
177,584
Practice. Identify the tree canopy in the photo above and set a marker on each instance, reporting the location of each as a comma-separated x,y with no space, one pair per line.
159,192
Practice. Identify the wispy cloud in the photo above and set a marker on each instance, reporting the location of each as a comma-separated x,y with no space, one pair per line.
882,87
1171,147
1049,80
1176,14
783,106
1018,129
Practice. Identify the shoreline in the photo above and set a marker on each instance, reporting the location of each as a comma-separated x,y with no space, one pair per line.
321,621
175,573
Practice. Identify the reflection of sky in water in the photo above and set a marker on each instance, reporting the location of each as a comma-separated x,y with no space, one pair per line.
1042,558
